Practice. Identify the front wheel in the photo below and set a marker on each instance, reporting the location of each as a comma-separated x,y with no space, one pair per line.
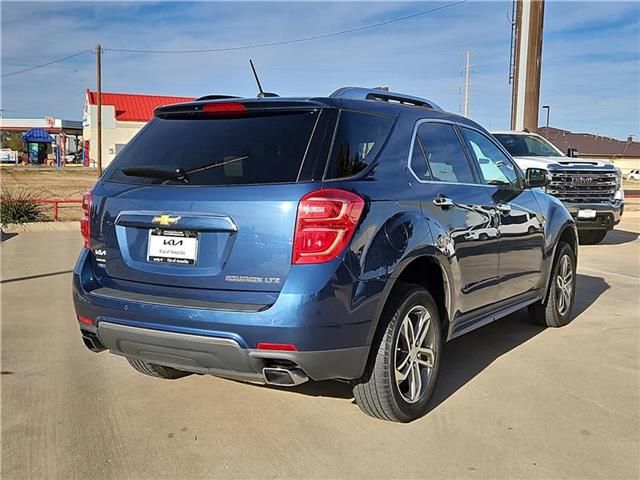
591,237
556,310
402,375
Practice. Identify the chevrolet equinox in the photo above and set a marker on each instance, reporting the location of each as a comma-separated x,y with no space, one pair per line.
281,240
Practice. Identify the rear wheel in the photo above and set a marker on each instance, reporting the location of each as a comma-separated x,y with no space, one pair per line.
591,237
556,310
155,370
402,375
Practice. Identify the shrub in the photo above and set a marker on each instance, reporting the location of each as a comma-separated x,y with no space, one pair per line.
19,207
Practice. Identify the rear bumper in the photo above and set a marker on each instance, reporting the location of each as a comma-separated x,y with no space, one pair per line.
331,335
223,356
607,214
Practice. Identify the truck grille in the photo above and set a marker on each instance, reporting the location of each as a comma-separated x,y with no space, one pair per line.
582,186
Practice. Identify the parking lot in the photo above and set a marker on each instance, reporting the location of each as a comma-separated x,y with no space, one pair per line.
513,400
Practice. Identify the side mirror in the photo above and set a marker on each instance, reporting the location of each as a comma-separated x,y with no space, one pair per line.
572,153
537,177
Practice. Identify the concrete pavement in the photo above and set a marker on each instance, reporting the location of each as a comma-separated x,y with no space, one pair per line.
513,400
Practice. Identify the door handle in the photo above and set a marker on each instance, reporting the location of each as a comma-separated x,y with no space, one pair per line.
443,202
503,208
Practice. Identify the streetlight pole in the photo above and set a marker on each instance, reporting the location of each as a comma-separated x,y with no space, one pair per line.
467,84
99,94
548,109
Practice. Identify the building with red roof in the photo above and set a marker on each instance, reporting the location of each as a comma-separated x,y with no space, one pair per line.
123,115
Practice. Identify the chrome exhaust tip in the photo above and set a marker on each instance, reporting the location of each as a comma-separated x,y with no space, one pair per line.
284,377
92,342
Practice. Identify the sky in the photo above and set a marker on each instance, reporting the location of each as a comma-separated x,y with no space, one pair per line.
590,66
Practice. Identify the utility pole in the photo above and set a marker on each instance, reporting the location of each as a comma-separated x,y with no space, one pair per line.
467,84
99,92
526,64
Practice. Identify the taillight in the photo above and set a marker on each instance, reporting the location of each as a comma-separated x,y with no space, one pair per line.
226,108
85,221
326,222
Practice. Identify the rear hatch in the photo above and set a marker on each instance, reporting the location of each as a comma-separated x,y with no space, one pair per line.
206,195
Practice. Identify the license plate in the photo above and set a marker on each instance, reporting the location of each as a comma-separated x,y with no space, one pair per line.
172,246
586,214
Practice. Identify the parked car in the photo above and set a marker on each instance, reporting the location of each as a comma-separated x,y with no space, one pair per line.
75,157
8,156
281,240
633,175
590,189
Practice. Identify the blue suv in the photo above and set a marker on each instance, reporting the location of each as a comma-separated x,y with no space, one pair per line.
278,240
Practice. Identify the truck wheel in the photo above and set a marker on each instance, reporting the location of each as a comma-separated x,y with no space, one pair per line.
155,370
401,377
556,310
591,237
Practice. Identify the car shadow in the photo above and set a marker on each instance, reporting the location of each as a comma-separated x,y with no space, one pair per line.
325,388
619,237
467,356
6,236
589,289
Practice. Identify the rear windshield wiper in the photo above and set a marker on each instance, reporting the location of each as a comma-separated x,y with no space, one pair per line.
179,173
157,172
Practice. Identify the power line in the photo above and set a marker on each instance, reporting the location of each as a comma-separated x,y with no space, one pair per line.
243,47
288,42
46,64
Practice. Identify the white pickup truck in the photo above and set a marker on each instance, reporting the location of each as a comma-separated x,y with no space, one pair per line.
7,155
590,189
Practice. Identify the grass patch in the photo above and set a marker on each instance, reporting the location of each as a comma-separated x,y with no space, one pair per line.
19,206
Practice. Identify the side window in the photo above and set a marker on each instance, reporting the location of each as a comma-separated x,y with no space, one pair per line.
419,161
359,138
495,166
445,155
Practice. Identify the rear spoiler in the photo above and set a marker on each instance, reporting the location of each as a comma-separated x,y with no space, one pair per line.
231,106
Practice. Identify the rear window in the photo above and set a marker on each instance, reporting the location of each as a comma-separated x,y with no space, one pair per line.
220,151
358,140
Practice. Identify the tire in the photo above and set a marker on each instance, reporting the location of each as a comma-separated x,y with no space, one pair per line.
556,310
157,371
378,393
591,237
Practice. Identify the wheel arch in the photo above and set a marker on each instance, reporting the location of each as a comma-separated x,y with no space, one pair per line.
424,270
569,235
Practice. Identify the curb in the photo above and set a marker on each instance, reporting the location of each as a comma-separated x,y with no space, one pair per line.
43,227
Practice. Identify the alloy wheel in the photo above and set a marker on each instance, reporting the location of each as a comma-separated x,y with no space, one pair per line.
414,354
564,285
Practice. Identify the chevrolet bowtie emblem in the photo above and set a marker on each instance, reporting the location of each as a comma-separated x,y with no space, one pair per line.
165,219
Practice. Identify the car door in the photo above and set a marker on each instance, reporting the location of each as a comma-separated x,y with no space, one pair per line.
521,226
460,212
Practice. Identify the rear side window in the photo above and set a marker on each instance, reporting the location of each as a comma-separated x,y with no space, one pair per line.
358,141
220,151
445,155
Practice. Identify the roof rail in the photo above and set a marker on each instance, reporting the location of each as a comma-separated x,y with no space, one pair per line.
359,93
216,97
